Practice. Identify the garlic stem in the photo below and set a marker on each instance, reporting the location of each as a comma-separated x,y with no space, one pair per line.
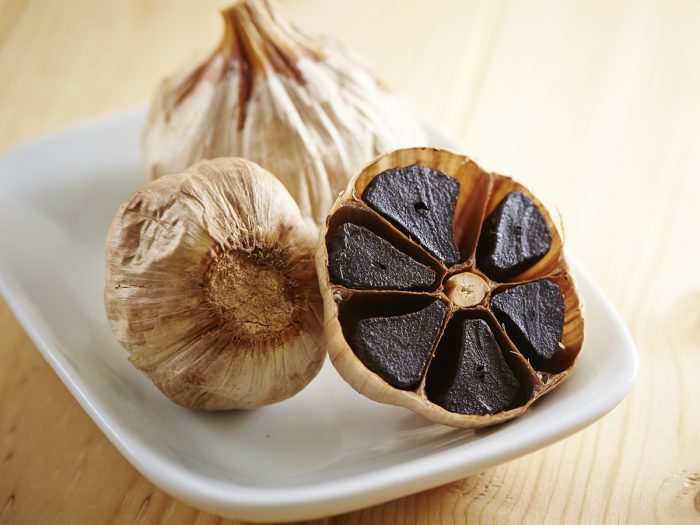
255,34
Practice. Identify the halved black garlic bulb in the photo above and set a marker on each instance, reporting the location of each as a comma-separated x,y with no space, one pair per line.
446,290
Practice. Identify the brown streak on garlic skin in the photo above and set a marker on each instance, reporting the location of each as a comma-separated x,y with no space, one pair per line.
188,84
253,43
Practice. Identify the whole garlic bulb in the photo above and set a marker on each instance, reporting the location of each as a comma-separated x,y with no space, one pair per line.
305,110
211,288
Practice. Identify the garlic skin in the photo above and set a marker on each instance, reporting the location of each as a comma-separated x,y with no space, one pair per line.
210,287
305,110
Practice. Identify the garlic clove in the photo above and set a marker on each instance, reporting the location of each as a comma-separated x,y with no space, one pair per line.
210,287
306,110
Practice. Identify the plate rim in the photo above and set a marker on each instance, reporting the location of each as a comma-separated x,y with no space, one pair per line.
310,499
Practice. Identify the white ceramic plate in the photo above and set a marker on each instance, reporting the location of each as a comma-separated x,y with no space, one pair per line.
326,451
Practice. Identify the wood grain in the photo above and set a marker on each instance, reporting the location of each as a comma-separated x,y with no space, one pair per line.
594,104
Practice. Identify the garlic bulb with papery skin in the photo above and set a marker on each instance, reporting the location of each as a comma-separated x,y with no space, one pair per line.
210,287
306,110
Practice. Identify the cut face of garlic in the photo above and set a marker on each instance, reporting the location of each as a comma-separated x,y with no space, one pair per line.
305,110
446,290
210,286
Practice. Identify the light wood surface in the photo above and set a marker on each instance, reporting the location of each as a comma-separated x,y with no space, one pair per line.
596,105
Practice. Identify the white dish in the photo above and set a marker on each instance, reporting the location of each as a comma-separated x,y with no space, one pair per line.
326,451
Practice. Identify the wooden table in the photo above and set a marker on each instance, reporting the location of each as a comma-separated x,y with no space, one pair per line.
594,104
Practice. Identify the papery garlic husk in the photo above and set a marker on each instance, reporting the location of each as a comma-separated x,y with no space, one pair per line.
306,110
210,287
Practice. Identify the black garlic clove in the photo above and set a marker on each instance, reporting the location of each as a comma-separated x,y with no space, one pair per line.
360,259
533,317
472,377
514,237
397,348
420,201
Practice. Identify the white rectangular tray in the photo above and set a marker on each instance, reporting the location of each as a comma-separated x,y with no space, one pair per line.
325,451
